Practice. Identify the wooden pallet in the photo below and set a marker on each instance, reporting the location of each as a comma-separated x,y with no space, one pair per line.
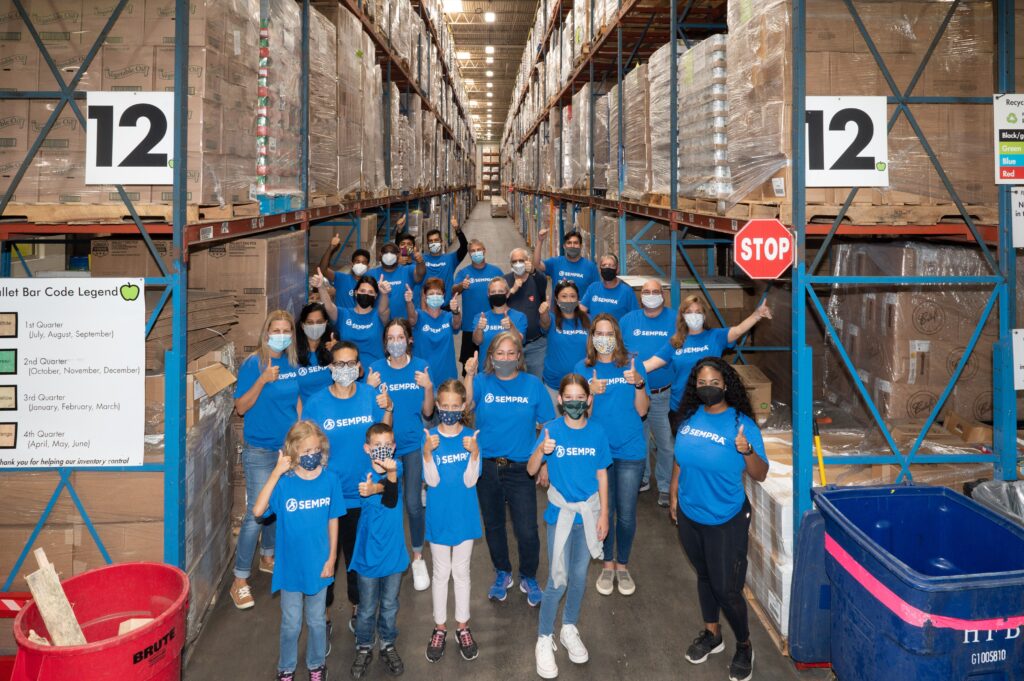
116,213
780,643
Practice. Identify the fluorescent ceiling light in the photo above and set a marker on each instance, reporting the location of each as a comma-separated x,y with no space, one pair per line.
451,6
473,102
489,17
462,54
470,81
490,74
490,60
490,85
490,94
489,49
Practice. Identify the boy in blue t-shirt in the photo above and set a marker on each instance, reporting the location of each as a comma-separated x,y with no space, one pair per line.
379,557
307,503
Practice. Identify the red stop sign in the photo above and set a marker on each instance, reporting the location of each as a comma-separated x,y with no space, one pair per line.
763,249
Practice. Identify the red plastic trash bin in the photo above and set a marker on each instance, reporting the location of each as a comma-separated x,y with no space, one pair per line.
102,599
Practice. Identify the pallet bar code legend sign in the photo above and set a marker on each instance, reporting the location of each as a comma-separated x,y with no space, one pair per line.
1009,129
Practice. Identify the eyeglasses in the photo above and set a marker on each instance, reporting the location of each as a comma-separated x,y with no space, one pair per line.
346,365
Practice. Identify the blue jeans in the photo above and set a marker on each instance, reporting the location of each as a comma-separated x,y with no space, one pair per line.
293,605
577,560
659,433
412,481
623,488
378,610
533,354
257,463
511,484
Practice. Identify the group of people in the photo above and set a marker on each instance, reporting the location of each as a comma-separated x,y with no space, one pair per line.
359,404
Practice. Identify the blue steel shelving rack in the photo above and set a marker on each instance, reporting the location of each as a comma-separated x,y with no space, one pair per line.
649,26
184,235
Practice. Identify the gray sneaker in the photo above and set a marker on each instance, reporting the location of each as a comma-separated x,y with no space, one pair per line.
606,582
626,584
663,499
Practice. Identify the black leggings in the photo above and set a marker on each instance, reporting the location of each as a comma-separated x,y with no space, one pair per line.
718,554
347,526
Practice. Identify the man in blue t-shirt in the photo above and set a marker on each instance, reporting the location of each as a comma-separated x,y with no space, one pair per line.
644,332
472,281
572,266
399,276
344,283
440,264
611,294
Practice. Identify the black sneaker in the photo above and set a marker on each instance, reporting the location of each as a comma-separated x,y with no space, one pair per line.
364,656
704,645
318,674
435,649
742,666
286,676
330,631
391,659
467,646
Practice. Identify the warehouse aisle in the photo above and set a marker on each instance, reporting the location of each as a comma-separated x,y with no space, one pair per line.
640,637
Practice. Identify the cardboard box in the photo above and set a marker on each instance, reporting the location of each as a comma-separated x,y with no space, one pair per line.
28,188
27,493
56,21
56,540
125,542
66,137
69,58
128,68
14,125
199,384
127,29
205,73
12,28
127,258
759,389
19,65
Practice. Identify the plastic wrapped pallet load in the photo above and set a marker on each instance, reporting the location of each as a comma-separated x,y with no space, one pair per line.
323,105
637,134
659,81
350,68
703,143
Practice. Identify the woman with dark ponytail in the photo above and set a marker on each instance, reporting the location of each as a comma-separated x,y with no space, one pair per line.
717,441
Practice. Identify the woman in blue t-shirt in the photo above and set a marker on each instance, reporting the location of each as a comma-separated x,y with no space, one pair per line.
267,399
566,327
314,338
577,455
693,341
717,443
408,383
363,324
433,331
621,400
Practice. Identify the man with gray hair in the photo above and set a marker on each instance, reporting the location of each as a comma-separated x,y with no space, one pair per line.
527,291
611,294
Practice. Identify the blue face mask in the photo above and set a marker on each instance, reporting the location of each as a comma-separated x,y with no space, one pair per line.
279,342
477,257
435,301
311,461
449,418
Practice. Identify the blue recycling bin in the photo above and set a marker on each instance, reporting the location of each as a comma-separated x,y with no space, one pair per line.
926,584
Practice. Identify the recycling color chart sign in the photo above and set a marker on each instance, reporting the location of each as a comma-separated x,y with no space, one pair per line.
1009,130
72,372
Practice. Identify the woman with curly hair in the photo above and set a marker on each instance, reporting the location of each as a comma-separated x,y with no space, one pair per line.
718,441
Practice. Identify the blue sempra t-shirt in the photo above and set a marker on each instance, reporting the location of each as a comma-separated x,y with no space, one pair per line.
474,298
434,341
708,343
399,278
453,511
583,272
618,301
313,379
366,331
303,509
710,469
443,267
407,397
615,411
344,290
494,326
345,422
508,413
644,336
276,409
572,468
380,550
566,347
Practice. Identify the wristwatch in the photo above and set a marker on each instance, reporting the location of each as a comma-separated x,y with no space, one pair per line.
750,450
640,385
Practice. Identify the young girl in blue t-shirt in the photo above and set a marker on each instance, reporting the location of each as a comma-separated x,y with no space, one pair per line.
307,503
451,467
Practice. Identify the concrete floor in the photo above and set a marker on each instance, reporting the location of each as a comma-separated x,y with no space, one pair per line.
642,637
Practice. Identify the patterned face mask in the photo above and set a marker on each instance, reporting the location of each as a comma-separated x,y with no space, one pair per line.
311,461
449,418
382,452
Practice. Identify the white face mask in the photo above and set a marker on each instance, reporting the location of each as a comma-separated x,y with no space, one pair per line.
314,331
359,269
434,247
389,259
652,301
694,321
519,268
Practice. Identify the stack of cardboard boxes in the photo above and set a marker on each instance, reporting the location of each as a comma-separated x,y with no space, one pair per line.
324,90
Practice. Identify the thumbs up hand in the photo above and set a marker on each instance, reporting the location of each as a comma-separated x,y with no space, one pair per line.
335,241
423,379
548,445
430,442
384,286
471,445
481,322
742,445
506,323
543,309
408,294
597,386
630,375
367,488
383,399
472,364
373,379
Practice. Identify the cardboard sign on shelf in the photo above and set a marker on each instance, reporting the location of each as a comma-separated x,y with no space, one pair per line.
129,138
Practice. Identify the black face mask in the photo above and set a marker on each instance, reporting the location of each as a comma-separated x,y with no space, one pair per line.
365,299
608,273
710,395
497,299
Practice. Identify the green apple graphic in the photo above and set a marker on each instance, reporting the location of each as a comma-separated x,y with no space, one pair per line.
129,292
880,166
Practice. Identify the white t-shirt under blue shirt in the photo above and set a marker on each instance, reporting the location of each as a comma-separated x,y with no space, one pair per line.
276,409
710,469
644,336
572,468
583,272
708,343
304,509
617,301
508,413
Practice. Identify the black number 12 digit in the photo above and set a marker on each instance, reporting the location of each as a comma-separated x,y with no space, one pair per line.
851,158
141,156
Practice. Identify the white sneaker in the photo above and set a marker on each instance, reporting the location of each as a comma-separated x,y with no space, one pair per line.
420,576
546,666
570,638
